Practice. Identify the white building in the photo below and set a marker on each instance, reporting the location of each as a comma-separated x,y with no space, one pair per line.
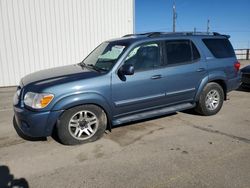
39,34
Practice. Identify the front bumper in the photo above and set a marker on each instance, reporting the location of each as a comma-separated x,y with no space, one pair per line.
36,124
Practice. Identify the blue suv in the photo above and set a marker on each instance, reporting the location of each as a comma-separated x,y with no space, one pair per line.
135,77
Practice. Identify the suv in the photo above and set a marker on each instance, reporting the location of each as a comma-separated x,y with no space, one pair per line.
135,77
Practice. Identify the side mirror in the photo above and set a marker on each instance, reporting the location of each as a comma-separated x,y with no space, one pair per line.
127,69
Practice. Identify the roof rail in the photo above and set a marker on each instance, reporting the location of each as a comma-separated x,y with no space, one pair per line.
158,34
149,34
129,35
154,34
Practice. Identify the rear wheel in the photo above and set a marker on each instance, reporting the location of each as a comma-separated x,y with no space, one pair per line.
81,124
211,99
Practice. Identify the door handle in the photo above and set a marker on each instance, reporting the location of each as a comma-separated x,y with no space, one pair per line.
200,69
156,77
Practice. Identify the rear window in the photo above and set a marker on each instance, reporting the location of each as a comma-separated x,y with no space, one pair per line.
220,48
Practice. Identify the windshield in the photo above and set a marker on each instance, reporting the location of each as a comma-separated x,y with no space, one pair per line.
105,55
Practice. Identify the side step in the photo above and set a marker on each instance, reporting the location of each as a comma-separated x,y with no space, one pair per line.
153,113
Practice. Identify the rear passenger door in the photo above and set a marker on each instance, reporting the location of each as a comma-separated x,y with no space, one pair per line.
183,72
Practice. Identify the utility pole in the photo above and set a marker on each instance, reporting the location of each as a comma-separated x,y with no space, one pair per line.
208,25
174,17
194,29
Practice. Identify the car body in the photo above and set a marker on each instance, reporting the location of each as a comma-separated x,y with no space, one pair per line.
245,76
177,68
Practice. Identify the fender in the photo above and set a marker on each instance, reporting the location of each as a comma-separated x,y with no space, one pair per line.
216,75
84,98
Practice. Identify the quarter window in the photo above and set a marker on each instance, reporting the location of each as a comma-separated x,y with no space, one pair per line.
220,48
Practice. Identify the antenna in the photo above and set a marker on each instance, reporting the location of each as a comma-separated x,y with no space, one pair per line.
208,25
174,17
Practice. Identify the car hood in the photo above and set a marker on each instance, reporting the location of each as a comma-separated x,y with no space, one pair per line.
60,74
246,69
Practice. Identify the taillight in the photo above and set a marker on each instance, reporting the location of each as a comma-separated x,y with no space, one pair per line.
237,65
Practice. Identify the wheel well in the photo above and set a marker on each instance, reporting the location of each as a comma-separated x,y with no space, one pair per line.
223,85
109,123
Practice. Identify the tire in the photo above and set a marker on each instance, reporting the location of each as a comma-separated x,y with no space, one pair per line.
207,105
81,124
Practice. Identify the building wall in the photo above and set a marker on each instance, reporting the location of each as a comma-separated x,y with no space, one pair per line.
39,34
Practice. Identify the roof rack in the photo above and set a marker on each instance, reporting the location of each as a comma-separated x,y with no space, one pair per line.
142,34
158,34
129,35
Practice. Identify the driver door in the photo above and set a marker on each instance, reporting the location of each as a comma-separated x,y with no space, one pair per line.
143,89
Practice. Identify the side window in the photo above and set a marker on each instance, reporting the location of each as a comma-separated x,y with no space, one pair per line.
220,48
178,51
196,54
144,57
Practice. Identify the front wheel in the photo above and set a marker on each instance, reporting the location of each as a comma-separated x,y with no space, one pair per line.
211,99
81,124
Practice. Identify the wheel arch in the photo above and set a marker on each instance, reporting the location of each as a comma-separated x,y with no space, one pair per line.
85,99
219,80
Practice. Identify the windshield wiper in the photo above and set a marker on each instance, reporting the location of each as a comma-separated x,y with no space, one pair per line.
82,64
98,69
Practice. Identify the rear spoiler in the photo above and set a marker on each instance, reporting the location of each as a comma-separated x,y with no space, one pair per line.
218,34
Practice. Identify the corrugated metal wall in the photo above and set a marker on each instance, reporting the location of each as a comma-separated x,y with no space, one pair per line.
39,34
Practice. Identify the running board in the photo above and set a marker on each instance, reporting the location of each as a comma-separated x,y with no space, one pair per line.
153,113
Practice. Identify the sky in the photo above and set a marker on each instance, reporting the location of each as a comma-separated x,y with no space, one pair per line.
226,16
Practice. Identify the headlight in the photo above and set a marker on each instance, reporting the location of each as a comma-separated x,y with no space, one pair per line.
38,100
16,97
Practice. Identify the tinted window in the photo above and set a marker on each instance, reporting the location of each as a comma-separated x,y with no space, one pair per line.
178,51
144,57
220,48
196,54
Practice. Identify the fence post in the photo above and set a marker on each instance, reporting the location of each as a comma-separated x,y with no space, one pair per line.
247,54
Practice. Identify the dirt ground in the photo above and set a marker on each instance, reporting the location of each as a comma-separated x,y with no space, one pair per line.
177,150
